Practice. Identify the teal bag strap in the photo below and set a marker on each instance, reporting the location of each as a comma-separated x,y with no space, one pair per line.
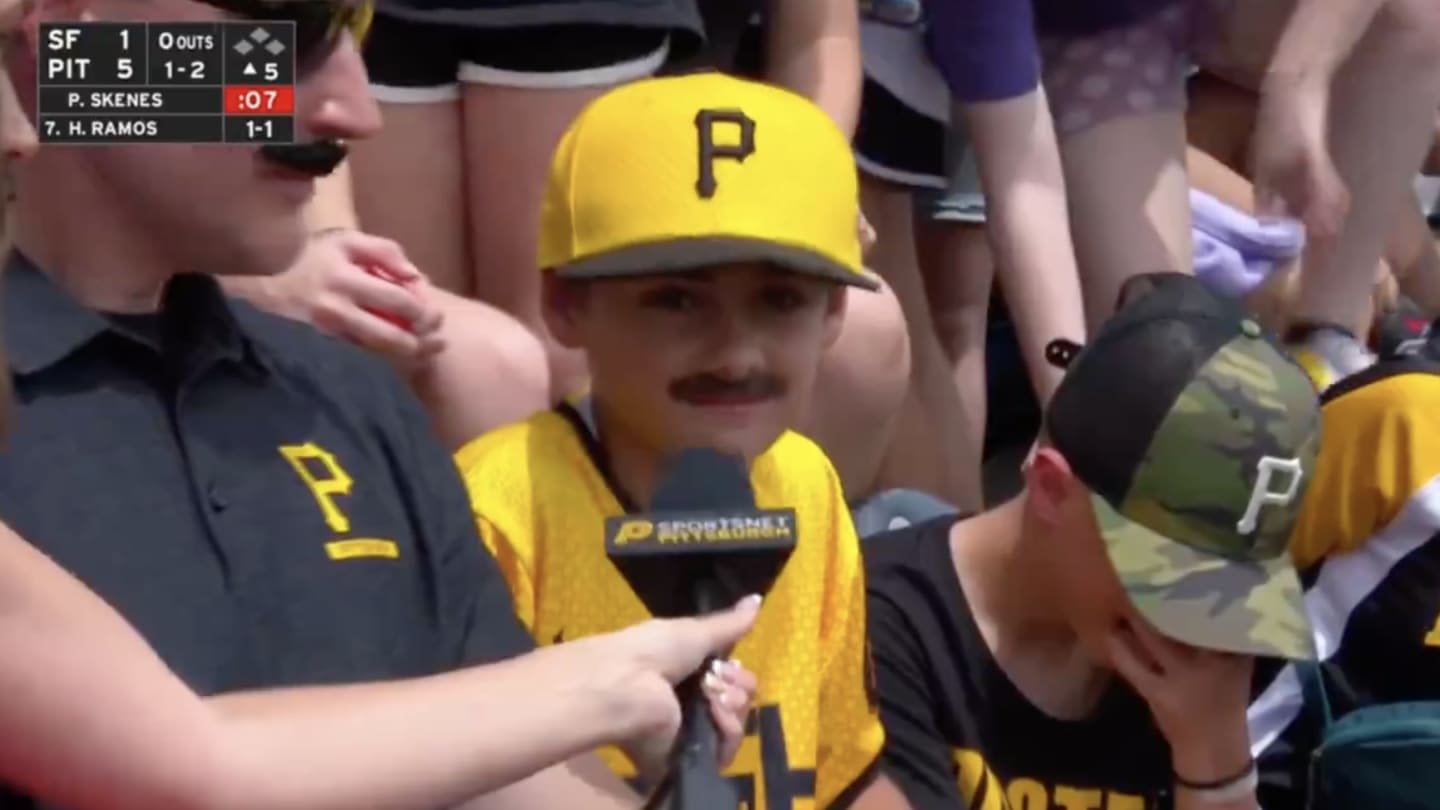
1312,692
1312,685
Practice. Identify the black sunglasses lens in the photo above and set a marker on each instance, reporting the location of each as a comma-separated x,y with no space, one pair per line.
314,24
319,31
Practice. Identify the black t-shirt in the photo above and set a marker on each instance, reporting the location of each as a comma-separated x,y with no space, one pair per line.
959,734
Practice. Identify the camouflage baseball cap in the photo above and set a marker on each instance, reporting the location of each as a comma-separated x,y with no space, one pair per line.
1195,434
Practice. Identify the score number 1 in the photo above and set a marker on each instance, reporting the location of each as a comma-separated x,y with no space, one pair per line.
124,66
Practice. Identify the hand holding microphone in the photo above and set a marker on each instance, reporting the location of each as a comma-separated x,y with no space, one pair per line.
635,672
703,546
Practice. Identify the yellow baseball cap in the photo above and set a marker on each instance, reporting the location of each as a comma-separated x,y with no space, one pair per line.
689,171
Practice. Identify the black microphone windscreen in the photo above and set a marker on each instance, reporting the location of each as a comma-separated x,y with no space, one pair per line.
702,479
703,535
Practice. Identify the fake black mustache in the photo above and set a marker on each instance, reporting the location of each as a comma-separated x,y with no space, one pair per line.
317,158
709,386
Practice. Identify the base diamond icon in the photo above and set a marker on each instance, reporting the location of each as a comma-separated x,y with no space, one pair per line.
275,47
259,35
244,47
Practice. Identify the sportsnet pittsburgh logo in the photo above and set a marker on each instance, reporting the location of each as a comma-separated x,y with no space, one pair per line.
656,533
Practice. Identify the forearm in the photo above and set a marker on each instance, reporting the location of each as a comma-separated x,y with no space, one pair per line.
149,742
813,48
1210,760
582,783
1186,800
429,742
1029,224
1319,37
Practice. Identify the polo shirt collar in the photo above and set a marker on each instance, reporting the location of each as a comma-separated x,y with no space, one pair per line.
44,325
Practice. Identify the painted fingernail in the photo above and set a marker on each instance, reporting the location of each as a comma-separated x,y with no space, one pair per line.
717,669
711,683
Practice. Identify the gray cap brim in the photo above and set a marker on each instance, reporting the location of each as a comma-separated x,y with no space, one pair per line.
677,255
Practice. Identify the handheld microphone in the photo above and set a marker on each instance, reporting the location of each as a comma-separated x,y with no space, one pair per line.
703,547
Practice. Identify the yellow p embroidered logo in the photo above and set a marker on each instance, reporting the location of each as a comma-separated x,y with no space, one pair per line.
326,483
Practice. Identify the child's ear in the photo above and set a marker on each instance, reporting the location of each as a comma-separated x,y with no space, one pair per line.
562,301
835,314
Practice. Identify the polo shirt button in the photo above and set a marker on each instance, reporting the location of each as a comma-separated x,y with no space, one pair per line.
218,501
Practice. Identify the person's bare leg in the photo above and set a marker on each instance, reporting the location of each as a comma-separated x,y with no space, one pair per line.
510,136
1219,120
1382,125
409,187
492,372
864,378
959,272
1129,204
1413,255
931,449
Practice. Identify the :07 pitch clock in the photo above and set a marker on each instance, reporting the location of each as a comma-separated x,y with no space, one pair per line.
259,100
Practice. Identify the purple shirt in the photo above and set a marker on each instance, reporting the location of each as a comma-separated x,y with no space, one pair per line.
987,49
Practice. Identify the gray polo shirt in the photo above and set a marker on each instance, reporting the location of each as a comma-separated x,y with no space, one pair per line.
266,505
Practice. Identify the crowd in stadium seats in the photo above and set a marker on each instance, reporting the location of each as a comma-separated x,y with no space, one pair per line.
1074,362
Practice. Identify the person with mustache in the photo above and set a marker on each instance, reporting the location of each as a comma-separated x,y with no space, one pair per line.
266,507
704,294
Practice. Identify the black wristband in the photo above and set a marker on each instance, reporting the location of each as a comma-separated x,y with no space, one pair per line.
1217,784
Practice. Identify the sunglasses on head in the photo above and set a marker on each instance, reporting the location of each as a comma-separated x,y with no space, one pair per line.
320,25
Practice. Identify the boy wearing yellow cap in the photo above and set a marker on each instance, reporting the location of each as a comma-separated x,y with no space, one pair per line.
697,240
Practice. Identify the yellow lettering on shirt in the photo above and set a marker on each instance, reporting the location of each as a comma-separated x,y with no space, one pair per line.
984,790
1125,801
361,547
762,772
1069,798
332,482
1027,794
975,779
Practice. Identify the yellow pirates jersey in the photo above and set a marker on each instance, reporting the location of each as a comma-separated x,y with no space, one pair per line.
541,496
1368,545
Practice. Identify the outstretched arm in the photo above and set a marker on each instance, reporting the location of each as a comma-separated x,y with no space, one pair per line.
81,693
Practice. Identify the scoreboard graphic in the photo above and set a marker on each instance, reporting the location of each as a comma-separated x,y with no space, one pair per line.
220,82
